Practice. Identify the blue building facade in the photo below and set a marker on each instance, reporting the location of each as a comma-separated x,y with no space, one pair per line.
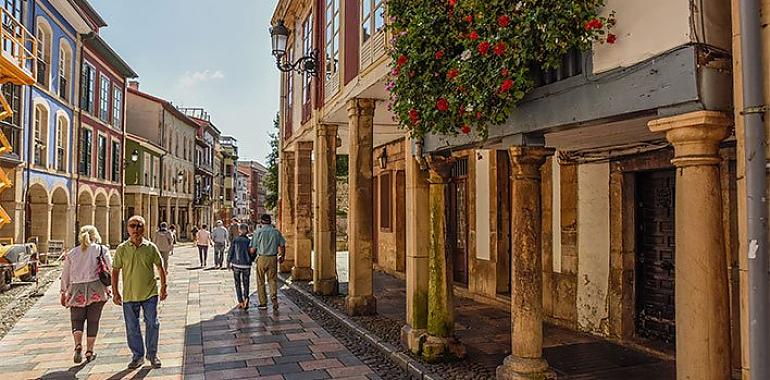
50,123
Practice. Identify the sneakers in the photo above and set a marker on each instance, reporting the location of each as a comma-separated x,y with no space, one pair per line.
136,363
155,362
275,306
262,307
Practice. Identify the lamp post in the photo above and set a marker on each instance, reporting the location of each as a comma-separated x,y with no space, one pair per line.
279,35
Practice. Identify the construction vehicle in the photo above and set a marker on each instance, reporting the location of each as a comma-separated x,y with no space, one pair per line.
17,261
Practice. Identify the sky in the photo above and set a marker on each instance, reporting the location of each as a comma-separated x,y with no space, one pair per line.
197,54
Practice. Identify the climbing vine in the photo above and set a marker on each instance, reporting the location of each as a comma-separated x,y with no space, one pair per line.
463,65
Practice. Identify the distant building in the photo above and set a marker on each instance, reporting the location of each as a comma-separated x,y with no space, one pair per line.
257,191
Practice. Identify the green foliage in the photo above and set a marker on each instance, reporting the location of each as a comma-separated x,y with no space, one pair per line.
460,65
271,180
342,167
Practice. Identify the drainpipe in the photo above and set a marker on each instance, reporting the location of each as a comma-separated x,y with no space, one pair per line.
756,190
30,143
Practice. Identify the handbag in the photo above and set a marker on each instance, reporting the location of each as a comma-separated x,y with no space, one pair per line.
105,277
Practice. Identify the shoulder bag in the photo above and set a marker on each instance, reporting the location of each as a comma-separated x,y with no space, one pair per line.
105,277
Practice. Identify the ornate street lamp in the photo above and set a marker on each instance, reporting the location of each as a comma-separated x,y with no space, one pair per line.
279,35
134,155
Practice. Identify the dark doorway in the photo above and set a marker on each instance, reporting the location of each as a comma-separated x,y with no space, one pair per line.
655,247
503,223
457,226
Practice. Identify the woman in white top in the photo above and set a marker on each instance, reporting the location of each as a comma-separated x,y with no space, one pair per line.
81,290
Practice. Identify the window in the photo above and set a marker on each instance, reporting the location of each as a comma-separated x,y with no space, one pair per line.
117,154
40,136
61,144
86,149
65,68
11,126
101,164
146,164
14,10
307,48
104,98
332,37
372,18
289,93
117,107
385,209
155,172
43,52
87,78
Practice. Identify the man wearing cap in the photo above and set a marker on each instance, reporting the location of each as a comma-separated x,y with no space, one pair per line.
270,247
219,236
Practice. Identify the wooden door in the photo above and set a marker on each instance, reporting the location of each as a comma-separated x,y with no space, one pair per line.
457,226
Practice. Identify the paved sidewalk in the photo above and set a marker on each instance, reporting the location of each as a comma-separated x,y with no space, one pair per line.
202,337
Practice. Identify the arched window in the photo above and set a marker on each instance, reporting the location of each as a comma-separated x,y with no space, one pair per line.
40,135
44,36
65,69
62,126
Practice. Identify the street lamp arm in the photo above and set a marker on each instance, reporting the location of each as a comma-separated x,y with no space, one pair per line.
306,64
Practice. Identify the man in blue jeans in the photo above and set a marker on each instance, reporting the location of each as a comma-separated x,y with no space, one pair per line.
137,259
240,260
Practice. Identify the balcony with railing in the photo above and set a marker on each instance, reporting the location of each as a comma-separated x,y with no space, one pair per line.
18,62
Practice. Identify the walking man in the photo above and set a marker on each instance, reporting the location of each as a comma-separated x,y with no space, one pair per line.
270,247
219,236
136,258
164,240
240,259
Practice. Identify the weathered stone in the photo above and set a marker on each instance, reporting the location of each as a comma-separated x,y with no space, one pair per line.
702,343
287,208
360,219
325,170
302,211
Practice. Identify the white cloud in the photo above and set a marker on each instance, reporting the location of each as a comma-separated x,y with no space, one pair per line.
192,78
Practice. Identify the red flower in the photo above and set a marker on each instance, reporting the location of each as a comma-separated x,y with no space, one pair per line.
439,54
401,60
461,88
484,47
451,74
442,104
504,72
473,35
611,38
395,72
414,117
593,24
478,115
500,48
452,3
506,85
468,19
503,21
466,129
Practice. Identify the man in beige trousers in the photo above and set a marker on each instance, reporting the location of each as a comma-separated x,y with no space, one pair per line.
270,247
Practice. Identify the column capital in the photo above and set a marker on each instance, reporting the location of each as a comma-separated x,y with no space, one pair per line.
440,169
361,107
304,146
527,160
695,136
326,129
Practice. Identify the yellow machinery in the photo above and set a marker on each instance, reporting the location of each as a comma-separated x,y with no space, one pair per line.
17,66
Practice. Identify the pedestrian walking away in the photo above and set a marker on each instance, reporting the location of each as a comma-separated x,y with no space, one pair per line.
203,240
270,247
164,240
172,229
82,291
137,258
220,237
239,259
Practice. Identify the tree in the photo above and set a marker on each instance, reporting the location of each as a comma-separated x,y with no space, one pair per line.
271,180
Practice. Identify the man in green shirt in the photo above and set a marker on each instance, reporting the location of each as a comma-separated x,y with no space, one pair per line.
137,258
270,247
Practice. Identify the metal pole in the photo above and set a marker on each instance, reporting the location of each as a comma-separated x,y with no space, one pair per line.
756,191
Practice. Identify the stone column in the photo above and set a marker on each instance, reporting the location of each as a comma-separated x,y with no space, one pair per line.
360,300
154,215
303,208
526,360
703,341
41,224
287,207
440,342
325,217
417,247
169,217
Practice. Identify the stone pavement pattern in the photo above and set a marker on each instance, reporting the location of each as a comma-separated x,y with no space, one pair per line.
201,337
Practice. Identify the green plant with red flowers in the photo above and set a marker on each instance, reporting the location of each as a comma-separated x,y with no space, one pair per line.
463,65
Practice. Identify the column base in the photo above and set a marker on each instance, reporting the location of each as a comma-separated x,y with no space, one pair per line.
437,349
286,266
361,305
326,287
516,368
412,338
301,274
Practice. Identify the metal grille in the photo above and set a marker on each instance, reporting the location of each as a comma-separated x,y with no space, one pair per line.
460,168
571,65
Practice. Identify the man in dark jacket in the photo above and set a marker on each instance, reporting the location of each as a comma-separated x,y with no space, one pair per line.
240,261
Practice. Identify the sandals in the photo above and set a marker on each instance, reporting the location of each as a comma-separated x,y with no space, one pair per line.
90,355
246,303
78,357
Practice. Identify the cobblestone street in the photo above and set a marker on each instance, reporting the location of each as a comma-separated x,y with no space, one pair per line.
202,337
